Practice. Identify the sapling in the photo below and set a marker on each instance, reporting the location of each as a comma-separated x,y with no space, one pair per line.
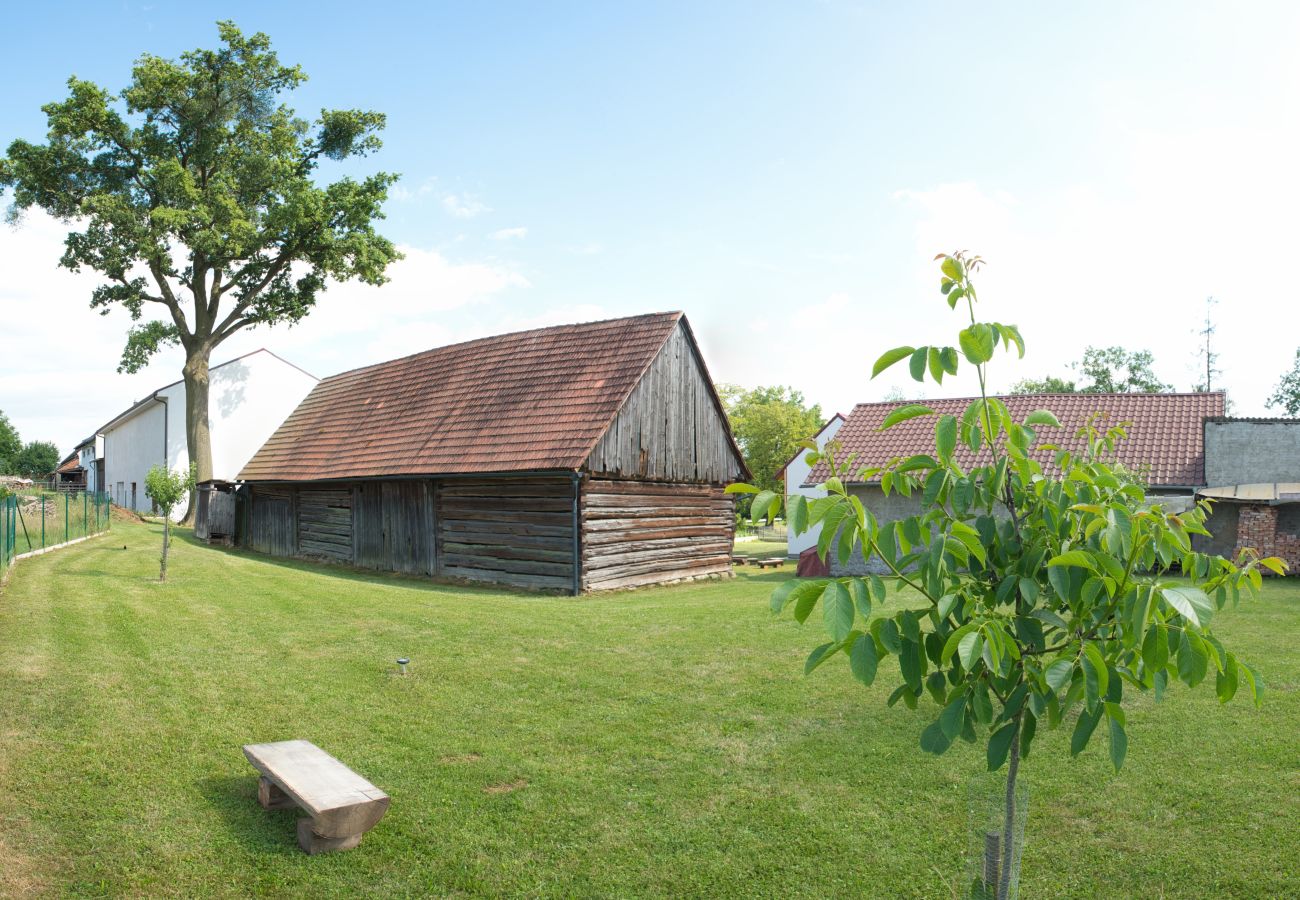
166,488
1047,573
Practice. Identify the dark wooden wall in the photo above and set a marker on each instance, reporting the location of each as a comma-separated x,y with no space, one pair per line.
670,428
512,531
638,533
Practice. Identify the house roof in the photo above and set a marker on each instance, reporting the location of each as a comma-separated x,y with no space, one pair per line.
1274,493
1165,437
816,437
153,396
71,463
528,401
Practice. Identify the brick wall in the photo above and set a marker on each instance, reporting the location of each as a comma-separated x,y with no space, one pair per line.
1257,527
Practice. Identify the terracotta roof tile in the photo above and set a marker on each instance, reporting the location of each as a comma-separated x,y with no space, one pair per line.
515,402
1166,436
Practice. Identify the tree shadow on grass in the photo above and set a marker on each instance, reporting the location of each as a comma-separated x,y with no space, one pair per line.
256,829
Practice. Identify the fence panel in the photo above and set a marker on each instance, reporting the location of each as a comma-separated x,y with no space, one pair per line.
37,518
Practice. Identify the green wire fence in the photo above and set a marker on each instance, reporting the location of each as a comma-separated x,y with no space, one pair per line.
37,519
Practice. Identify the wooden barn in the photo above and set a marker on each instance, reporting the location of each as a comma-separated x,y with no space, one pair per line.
575,458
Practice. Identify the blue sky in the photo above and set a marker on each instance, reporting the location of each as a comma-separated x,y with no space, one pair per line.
782,172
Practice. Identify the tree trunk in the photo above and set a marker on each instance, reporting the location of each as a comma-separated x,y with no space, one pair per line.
1009,822
198,438
167,534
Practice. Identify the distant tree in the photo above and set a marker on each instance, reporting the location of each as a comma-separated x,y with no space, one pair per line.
37,459
166,488
10,446
1049,384
1114,370
198,194
1207,359
1287,395
769,423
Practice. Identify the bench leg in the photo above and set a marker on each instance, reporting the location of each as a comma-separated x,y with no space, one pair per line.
270,796
312,843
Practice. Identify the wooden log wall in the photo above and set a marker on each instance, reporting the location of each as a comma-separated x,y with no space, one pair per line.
325,522
271,520
515,531
638,533
392,526
669,428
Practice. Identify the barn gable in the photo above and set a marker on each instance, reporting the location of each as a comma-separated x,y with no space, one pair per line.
671,426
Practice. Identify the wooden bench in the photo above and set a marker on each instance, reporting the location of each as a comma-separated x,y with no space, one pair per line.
740,560
774,561
343,806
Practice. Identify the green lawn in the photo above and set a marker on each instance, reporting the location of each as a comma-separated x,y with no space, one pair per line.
661,743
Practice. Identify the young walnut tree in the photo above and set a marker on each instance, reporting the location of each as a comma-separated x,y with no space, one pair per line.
166,489
1045,572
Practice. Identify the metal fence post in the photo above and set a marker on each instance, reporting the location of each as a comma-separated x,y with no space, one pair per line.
65,518
42,521
85,514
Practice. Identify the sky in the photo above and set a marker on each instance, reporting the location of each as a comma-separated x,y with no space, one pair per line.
782,172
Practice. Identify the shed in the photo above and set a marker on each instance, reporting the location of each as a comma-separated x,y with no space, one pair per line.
573,458
214,511
1264,517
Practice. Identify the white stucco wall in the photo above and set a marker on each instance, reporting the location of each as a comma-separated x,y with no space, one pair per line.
795,474
248,399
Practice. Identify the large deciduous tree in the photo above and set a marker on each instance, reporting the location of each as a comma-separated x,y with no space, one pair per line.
195,190
1286,396
36,460
1051,587
769,423
1103,370
10,446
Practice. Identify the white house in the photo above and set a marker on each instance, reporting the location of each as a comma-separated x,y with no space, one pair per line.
249,397
795,473
91,454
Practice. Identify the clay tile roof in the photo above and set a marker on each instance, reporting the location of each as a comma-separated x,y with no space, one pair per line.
1166,437
515,402
71,464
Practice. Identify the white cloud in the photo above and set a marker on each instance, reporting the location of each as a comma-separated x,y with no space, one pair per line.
464,206
506,234
404,194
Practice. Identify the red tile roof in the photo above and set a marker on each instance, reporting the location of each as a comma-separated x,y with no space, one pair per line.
532,400
1166,437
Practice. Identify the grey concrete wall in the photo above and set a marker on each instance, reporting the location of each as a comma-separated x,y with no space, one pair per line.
885,509
1222,525
1248,452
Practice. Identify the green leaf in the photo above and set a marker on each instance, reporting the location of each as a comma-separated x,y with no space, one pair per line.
999,744
933,740
863,659
1042,417
903,413
1074,558
889,358
1118,741
740,488
1058,674
945,436
952,267
909,663
936,365
877,588
1155,648
804,596
861,596
819,656
1247,674
1083,730
761,508
969,649
1190,602
1193,659
1096,678
837,610
1225,682
917,363
797,513
977,343
887,632
950,720
948,360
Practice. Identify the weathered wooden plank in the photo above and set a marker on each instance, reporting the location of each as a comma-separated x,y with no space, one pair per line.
342,805
497,563
496,576
509,551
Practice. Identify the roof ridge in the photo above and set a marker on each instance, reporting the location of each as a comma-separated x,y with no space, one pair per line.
675,314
